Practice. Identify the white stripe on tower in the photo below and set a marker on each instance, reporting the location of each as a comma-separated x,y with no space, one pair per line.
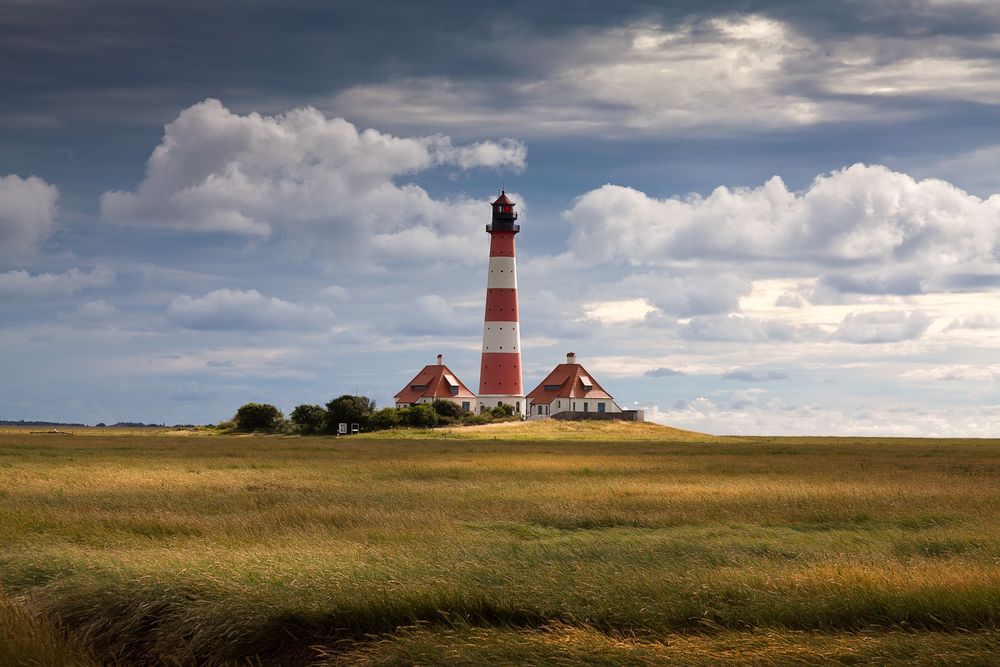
503,273
501,337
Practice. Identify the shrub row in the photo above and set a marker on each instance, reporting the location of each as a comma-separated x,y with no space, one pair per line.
308,419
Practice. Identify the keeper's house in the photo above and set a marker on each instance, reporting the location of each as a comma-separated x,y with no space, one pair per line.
570,392
436,382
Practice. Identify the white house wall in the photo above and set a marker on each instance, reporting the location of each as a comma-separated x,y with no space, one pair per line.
566,405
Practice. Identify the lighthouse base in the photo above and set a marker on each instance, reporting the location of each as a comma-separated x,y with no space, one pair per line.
488,402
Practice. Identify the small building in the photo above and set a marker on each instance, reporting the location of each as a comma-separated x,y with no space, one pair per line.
435,382
570,392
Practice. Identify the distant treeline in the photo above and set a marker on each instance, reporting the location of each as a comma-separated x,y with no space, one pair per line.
23,422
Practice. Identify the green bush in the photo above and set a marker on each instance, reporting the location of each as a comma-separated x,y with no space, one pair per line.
470,419
384,419
258,417
503,410
419,416
447,408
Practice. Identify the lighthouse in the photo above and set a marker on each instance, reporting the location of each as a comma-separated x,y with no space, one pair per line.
500,370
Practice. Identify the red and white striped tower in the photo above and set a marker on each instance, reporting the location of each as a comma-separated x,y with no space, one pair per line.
500,371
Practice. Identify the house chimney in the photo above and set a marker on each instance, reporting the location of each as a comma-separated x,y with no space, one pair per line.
571,357
440,360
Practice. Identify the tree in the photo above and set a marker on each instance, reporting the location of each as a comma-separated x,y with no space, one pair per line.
258,417
348,410
384,418
308,418
447,408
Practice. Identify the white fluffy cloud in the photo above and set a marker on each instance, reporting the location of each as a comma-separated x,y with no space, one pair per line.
309,175
16,285
27,214
238,310
980,321
743,329
883,326
866,217
684,296
764,414
433,315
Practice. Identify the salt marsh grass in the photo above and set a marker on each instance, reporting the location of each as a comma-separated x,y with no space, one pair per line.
158,549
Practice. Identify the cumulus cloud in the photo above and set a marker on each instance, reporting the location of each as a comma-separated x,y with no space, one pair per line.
301,173
27,214
662,372
17,285
860,214
744,329
981,321
433,315
748,375
789,300
882,326
237,310
762,414
684,296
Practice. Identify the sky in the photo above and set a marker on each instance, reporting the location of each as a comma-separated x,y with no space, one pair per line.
743,217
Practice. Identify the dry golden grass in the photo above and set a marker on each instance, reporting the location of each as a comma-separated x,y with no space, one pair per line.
29,641
207,549
560,644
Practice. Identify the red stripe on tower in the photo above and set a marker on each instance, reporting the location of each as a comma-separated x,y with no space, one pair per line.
500,371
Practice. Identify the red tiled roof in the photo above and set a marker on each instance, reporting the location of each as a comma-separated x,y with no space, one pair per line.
569,380
432,382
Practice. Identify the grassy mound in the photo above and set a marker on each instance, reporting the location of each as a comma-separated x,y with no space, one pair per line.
553,429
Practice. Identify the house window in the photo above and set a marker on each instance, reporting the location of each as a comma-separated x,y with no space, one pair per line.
558,404
574,406
600,407
585,407
552,387
465,406
539,409
454,391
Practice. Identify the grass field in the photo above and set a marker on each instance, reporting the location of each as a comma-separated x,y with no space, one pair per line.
164,549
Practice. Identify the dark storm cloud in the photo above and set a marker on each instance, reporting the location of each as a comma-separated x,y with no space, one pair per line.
100,53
